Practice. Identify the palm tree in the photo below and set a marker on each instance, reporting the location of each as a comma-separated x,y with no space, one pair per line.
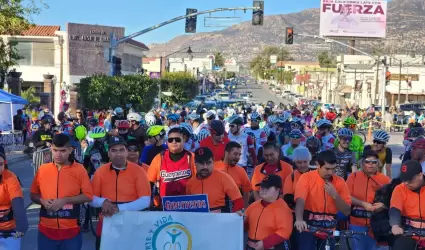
30,96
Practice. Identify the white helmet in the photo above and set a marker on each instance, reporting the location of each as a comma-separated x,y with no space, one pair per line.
134,117
230,112
150,119
323,122
220,113
204,133
210,113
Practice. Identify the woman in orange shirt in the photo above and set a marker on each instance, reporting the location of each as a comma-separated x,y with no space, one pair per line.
363,186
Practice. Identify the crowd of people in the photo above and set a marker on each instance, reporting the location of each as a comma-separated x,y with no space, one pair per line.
288,172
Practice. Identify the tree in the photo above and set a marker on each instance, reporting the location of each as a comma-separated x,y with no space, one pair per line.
326,61
218,60
261,65
183,86
14,19
30,96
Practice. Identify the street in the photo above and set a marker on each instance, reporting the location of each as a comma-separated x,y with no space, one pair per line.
21,165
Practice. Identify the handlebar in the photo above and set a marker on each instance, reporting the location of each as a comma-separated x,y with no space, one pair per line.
7,235
335,233
410,233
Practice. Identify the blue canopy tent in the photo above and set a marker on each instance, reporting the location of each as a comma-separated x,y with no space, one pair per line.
9,104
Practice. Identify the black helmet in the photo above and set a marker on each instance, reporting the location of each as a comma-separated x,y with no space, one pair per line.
217,127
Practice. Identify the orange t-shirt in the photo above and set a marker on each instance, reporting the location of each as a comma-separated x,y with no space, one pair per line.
320,208
283,170
218,150
10,188
363,187
237,173
411,206
217,186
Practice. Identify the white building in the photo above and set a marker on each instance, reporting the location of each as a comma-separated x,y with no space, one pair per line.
69,55
190,65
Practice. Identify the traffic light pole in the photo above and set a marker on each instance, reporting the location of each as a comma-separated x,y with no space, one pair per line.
382,82
114,43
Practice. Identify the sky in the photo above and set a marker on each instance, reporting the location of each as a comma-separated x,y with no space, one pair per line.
136,15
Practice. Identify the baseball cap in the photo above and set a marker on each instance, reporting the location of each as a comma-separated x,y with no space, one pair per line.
271,181
116,140
409,170
370,153
203,155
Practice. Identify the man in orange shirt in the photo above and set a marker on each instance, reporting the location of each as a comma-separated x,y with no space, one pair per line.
130,191
217,141
272,165
229,165
60,188
407,207
216,184
319,195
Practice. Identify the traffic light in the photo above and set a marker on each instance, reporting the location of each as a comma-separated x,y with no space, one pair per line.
289,35
116,61
191,21
258,14
387,78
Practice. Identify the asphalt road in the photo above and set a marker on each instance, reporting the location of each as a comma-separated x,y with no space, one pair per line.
261,94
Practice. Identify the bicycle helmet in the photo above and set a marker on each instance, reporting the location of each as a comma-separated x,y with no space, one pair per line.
345,132
254,116
194,116
349,121
220,113
123,124
210,114
267,130
381,135
156,130
93,122
217,127
324,123
35,126
186,128
134,117
204,133
285,117
235,119
173,117
118,110
313,143
150,119
271,119
295,132
98,133
80,132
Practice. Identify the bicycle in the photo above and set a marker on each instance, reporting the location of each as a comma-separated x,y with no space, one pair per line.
335,234
420,245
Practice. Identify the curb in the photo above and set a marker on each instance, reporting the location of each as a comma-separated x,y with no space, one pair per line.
20,158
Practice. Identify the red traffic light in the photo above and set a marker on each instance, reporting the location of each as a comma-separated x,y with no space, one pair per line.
388,75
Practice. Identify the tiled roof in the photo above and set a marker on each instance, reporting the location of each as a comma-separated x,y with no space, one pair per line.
137,44
146,60
41,30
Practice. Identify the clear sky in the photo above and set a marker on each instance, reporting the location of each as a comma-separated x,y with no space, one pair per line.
136,15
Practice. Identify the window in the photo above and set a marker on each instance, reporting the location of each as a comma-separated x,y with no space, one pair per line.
36,54
130,63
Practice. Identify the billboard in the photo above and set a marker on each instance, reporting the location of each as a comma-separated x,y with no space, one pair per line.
354,18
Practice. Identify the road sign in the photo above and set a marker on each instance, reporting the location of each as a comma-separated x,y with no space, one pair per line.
273,59
217,68
396,77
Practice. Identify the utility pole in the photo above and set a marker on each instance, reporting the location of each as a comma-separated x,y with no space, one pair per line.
399,83
327,71
377,81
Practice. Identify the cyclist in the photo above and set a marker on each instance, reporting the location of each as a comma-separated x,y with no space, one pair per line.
131,192
216,184
380,140
172,121
150,119
122,127
136,131
217,141
407,207
324,134
319,195
411,136
362,186
272,165
268,220
42,138
13,216
229,165
170,170
295,138
194,120
257,134
118,116
156,135
96,154
356,144
60,187
249,156
313,144
189,144
346,159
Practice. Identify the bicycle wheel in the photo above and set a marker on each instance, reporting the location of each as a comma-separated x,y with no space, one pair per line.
362,136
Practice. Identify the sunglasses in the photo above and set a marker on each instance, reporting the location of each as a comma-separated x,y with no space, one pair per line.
133,149
174,139
347,139
232,125
371,161
378,142
295,136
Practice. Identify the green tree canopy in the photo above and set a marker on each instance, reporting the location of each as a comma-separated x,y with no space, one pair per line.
326,60
30,96
261,66
218,60
182,84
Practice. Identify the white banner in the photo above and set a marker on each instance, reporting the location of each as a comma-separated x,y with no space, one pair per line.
354,18
172,230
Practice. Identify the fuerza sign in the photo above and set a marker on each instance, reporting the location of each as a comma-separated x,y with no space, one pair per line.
186,203
134,230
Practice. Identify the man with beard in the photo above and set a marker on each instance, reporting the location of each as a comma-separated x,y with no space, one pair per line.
216,184
232,154
246,142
